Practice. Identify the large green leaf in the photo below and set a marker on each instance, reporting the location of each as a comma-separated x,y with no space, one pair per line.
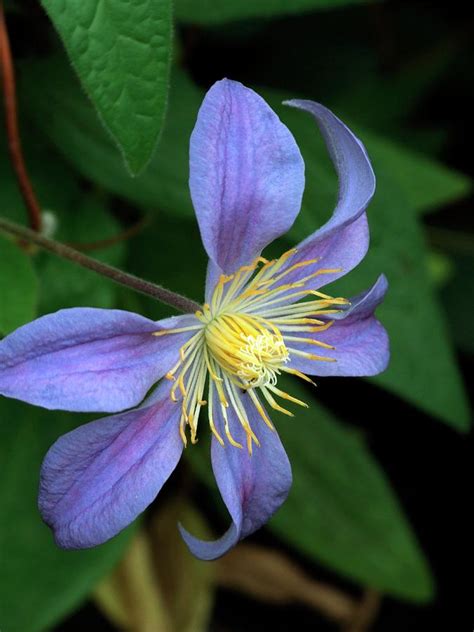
18,287
341,509
39,583
218,11
121,52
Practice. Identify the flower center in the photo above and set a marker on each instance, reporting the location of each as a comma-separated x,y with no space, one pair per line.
246,349
244,339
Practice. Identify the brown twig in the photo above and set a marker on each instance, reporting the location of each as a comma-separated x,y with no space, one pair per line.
11,123
272,576
366,612
157,292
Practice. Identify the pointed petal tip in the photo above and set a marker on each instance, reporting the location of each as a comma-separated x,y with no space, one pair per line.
382,283
65,540
210,550
295,103
327,120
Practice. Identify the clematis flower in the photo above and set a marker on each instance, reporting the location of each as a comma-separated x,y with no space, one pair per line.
261,318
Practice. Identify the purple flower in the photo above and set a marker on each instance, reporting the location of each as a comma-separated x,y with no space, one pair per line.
222,363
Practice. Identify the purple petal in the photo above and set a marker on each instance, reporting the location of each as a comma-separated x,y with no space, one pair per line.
212,276
252,487
361,342
246,175
343,241
96,479
87,359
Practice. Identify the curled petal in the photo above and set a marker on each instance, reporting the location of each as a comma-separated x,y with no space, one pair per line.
246,175
96,479
87,359
343,241
253,486
364,304
361,345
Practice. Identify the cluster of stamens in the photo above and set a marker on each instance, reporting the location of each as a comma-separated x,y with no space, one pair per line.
243,342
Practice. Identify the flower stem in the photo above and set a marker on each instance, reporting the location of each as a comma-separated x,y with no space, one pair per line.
157,292
11,123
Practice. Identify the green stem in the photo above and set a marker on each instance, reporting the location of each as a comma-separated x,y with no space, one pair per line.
157,292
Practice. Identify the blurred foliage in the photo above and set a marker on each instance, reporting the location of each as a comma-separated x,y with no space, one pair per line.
217,11
19,299
81,143
158,585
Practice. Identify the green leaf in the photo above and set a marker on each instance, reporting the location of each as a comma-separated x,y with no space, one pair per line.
121,52
18,287
426,183
341,509
53,179
219,11
163,236
39,583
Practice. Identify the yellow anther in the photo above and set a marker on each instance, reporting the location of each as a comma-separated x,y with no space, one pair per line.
299,374
290,398
249,444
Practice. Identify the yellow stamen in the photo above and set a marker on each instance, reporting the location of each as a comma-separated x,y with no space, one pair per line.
285,395
303,376
274,404
310,356
243,342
